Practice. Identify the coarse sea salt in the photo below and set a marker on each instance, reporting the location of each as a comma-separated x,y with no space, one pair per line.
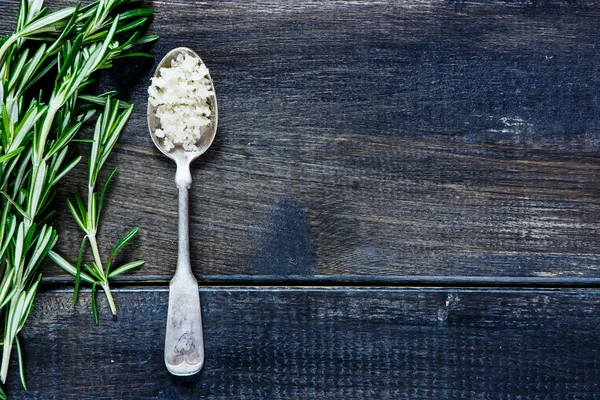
181,95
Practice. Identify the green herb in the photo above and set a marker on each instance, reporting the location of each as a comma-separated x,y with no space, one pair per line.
36,128
107,131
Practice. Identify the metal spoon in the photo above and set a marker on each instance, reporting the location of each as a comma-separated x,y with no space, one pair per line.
184,343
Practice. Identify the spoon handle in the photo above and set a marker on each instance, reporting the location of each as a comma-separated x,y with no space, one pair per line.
184,343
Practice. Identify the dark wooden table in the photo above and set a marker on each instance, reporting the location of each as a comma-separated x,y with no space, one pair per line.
402,202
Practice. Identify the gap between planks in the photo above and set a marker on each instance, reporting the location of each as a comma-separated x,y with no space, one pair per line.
350,282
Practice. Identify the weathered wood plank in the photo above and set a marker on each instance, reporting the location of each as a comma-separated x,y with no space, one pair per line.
326,344
413,138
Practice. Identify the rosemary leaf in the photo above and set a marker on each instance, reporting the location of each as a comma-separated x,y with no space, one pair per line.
78,271
126,267
94,306
21,362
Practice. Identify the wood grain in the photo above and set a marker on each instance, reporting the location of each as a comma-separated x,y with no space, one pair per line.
448,141
324,344
399,139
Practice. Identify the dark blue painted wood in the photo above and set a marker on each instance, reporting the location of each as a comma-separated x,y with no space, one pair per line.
416,142
410,140
405,139
325,344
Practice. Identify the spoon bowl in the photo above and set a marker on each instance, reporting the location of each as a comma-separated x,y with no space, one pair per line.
184,341
209,132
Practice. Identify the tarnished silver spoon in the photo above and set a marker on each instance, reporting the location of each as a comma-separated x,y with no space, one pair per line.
184,342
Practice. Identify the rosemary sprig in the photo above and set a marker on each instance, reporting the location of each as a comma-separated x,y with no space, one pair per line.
37,126
107,131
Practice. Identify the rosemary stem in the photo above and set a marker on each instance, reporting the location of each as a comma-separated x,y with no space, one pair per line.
91,231
95,251
109,297
97,260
